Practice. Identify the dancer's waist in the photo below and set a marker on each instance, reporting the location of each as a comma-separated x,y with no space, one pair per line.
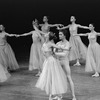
48,54
2,43
92,41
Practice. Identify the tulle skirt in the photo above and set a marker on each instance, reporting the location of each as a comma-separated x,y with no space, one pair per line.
36,56
4,75
52,79
78,49
93,58
7,57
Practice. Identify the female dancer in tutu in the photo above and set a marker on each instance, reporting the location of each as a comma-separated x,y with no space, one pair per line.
36,55
46,26
4,74
78,49
52,79
93,52
7,57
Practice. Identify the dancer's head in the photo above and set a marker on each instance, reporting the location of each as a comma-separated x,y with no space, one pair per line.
45,19
62,34
72,19
91,27
36,23
2,28
50,36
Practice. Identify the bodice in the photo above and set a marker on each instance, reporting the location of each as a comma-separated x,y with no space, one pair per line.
45,28
46,47
35,37
2,39
92,37
73,29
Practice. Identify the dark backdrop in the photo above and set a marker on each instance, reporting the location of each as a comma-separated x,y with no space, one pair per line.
17,16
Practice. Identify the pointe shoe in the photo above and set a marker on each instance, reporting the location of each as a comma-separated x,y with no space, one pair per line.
74,98
56,97
38,74
77,64
95,75
59,98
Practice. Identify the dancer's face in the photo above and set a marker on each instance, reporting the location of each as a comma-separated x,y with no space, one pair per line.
45,19
61,35
91,27
1,27
72,19
36,24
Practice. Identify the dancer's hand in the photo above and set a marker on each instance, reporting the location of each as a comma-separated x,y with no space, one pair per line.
58,28
17,35
74,35
61,25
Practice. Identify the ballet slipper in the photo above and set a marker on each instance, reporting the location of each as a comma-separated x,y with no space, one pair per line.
77,64
95,75
74,98
56,97
38,74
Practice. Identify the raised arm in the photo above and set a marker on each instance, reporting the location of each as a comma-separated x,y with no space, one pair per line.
38,30
85,27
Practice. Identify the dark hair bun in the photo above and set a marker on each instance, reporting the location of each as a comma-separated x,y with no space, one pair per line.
52,36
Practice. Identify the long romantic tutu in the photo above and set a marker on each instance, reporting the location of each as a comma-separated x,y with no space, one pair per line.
93,58
78,49
52,79
7,57
12,62
4,75
36,56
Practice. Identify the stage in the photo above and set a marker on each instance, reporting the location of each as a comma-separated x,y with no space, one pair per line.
21,85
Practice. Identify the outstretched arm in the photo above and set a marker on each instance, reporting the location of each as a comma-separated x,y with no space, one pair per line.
98,34
55,25
65,27
40,25
25,34
81,34
85,27
7,34
54,45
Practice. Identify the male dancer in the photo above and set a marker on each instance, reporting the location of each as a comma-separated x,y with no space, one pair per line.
63,56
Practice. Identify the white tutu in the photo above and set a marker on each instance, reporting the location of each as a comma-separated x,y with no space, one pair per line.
36,55
52,79
4,75
7,57
78,49
93,58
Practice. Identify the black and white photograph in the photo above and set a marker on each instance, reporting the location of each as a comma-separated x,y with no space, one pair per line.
49,49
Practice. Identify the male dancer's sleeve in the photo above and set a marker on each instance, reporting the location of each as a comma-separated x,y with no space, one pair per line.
67,46
57,43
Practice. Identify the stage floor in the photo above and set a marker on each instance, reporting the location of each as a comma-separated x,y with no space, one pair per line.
21,86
